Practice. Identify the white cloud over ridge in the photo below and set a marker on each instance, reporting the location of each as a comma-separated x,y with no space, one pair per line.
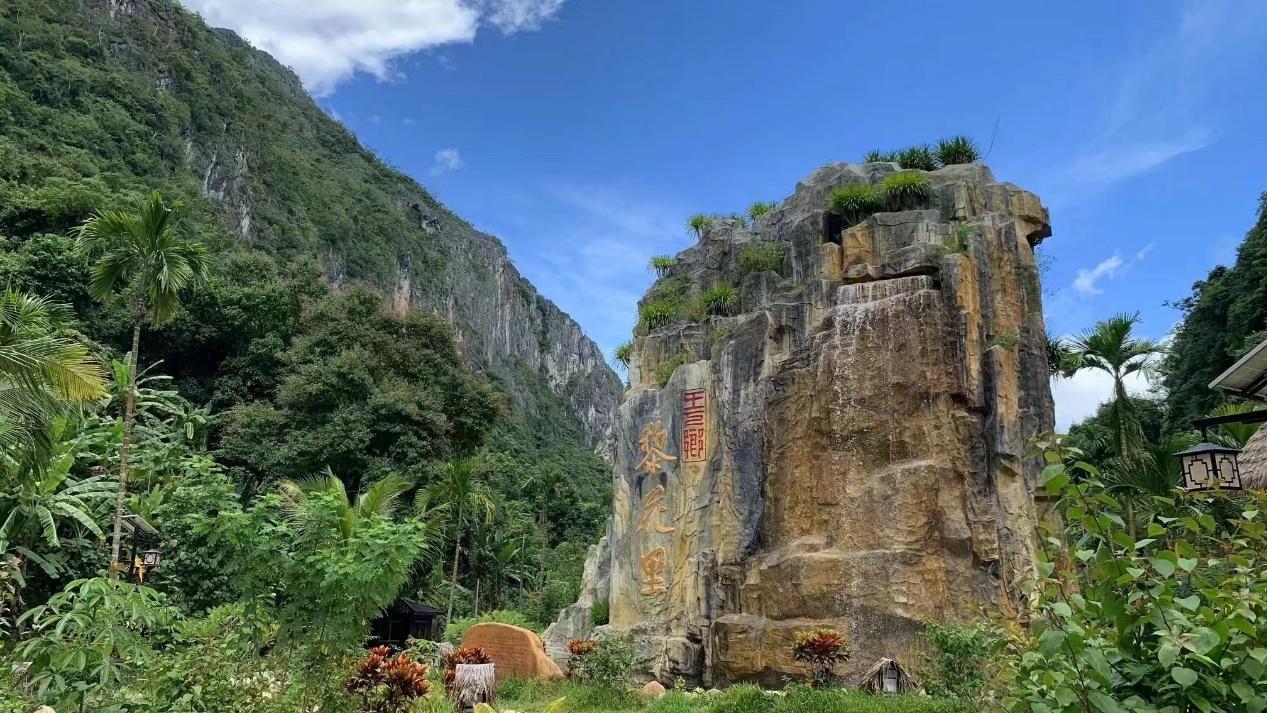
1086,279
328,41
446,160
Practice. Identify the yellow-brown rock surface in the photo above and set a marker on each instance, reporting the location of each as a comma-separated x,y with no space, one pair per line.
847,449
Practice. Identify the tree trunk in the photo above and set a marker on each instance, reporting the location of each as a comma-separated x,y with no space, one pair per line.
477,597
453,581
129,415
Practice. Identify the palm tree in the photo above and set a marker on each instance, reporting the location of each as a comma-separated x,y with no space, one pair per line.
382,498
1112,348
141,255
40,370
460,488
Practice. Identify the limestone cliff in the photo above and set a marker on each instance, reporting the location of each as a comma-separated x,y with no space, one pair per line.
848,448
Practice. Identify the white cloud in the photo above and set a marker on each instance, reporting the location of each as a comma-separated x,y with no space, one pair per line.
327,41
1125,161
1085,281
1077,397
446,160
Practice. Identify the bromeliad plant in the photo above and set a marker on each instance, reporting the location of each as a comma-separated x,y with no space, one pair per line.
1169,622
823,649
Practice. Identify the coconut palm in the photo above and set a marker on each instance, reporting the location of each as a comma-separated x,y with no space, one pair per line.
40,369
1111,347
460,488
381,498
140,258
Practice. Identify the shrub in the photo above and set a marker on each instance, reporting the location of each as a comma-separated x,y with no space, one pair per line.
665,370
917,157
608,663
855,202
823,649
698,222
959,239
661,264
722,331
387,684
957,149
456,629
758,209
600,614
761,256
720,299
622,353
905,190
743,698
1006,340
879,157
660,313
957,664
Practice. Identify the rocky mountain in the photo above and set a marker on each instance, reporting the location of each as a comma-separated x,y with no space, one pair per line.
102,98
844,445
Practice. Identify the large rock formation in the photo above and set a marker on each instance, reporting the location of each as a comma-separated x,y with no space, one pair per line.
848,449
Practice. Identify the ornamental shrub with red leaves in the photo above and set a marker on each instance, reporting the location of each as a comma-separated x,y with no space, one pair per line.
580,647
386,684
823,649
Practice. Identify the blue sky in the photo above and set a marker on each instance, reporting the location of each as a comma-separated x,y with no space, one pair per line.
582,133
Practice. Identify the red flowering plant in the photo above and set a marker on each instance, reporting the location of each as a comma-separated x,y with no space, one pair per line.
578,648
462,655
388,684
823,649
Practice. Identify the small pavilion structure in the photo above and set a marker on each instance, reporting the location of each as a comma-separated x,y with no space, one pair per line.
1247,379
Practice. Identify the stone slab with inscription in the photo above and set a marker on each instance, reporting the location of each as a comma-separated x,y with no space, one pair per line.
518,652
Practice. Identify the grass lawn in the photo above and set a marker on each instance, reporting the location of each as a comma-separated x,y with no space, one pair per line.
529,696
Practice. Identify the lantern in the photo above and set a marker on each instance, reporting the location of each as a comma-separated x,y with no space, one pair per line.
151,558
1207,466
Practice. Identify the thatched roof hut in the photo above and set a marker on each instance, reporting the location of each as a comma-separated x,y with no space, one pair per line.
887,676
1253,461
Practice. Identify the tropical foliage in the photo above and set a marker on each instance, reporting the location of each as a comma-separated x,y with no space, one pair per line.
761,256
957,149
855,201
905,190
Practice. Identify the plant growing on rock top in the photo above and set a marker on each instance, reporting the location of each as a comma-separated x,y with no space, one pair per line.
720,299
906,190
917,157
661,264
959,240
823,649
657,314
761,256
664,371
879,157
698,222
957,149
855,202
622,354
758,209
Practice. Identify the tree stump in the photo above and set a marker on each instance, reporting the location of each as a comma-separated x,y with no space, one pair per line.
473,683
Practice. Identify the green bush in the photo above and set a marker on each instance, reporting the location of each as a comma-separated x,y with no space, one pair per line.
917,157
665,370
722,331
957,664
622,353
855,202
660,313
959,240
758,209
880,157
743,698
456,629
600,614
905,190
661,264
698,222
957,149
762,256
720,299
608,664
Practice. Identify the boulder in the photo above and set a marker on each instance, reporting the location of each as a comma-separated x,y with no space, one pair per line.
653,689
516,651
846,448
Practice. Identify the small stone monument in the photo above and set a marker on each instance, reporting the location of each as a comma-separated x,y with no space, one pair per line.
518,652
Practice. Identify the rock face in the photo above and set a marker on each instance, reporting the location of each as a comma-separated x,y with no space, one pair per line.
848,449
516,651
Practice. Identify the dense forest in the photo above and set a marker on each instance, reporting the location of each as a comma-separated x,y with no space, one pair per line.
291,357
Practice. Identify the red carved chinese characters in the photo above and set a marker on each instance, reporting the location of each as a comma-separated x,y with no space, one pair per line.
694,426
